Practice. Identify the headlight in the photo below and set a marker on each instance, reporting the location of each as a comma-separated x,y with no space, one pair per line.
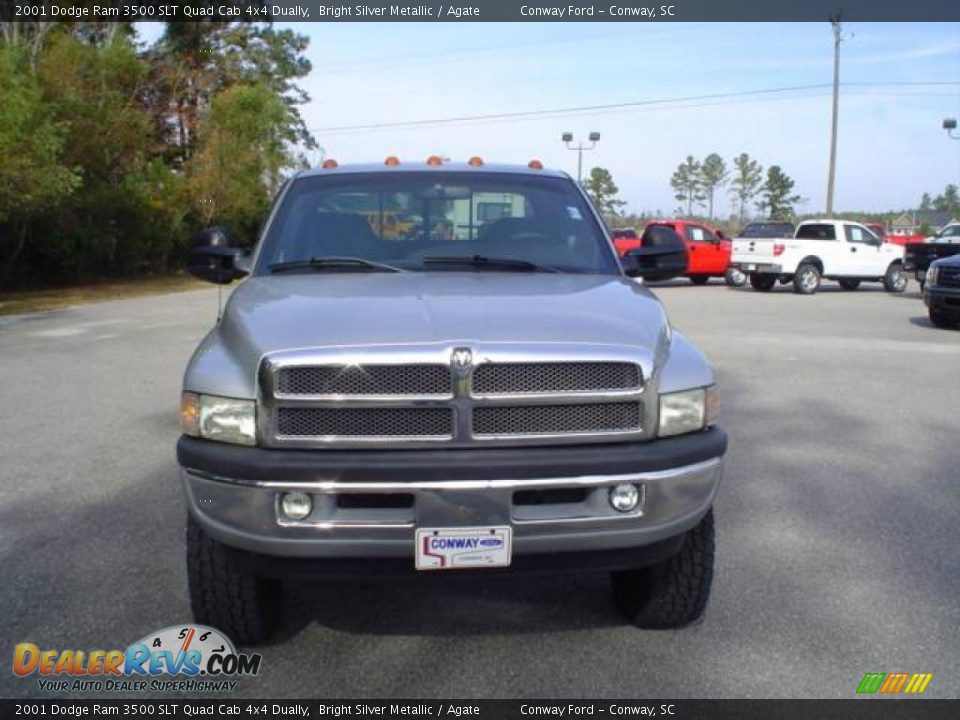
218,418
688,411
933,273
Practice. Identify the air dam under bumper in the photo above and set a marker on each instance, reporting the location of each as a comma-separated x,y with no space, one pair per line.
367,504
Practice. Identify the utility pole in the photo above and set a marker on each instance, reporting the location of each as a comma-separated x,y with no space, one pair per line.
837,39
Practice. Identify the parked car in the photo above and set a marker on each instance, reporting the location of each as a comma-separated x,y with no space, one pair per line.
834,249
919,257
708,249
506,398
941,293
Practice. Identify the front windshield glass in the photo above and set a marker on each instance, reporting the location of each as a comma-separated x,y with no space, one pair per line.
410,220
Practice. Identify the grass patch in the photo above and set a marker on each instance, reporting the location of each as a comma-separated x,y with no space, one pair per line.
28,301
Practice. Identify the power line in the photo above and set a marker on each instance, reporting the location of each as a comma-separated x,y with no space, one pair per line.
614,106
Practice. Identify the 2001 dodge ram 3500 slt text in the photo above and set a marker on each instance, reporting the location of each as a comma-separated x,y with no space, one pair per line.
485,388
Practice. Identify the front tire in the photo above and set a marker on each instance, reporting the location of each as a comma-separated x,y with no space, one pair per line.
763,283
849,283
895,281
672,593
806,281
245,607
699,279
735,277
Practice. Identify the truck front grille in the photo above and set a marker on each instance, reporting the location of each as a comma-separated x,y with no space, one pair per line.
555,377
949,277
366,380
372,423
557,419
337,404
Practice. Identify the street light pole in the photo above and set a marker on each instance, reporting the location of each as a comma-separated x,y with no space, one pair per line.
580,147
837,28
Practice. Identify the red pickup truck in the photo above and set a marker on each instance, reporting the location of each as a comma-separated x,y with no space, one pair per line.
708,249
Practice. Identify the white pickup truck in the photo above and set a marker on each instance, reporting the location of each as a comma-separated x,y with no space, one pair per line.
833,249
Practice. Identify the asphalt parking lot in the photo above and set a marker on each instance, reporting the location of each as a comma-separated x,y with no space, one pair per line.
838,520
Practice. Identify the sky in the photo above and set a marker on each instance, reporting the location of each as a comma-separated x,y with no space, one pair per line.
891,145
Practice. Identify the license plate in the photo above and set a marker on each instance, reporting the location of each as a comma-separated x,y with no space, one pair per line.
749,267
458,548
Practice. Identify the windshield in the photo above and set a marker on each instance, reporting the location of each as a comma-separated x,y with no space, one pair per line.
435,222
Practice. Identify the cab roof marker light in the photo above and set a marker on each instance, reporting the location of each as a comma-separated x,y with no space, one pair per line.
535,164
475,161
392,161
329,164
434,160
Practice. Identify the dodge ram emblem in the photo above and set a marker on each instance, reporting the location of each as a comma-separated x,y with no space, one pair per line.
461,358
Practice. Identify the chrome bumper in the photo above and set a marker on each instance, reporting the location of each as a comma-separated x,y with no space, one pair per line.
244,513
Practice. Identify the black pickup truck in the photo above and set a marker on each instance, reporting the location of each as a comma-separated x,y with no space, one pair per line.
918,257
942,293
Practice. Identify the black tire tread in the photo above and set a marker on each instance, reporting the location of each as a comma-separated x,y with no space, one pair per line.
673,593
242,606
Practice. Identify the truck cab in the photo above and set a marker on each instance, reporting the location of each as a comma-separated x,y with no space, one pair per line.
490,390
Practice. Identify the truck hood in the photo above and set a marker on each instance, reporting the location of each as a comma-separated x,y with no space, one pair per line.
321,311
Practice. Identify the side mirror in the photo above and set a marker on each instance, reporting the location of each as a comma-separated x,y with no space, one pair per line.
214,257
662,255
656,263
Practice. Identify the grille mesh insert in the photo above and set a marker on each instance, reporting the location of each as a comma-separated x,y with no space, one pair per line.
365,422
368,380
553,419
506,378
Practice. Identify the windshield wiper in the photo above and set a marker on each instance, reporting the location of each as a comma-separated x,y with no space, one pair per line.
333,262
490,262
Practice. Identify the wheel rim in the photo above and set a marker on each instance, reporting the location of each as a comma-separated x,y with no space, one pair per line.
808,281
899,281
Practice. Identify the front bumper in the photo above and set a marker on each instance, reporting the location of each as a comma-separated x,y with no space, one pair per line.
233,492
942,299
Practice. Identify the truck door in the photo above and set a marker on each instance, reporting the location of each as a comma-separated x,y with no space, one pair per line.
863,250
703,248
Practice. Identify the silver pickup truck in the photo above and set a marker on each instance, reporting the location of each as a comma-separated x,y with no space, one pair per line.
441,366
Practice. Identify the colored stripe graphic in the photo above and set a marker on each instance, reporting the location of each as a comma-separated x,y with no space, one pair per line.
893,683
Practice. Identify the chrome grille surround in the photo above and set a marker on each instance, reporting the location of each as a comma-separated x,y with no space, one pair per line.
521,394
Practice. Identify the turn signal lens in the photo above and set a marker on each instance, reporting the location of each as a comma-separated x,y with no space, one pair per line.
712,408
328,164
778,249
190,413
392,160
475,161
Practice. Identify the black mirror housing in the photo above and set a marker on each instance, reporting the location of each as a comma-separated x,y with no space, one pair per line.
661,256
213,257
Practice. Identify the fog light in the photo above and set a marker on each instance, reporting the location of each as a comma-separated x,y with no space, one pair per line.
296,505
624,497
